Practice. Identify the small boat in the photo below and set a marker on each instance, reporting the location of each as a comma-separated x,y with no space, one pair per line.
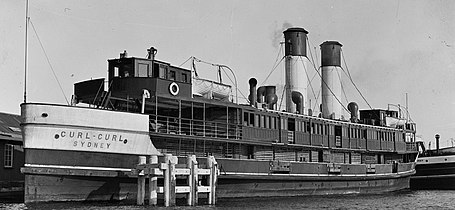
435,168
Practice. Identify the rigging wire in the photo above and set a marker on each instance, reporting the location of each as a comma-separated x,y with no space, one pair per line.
315,54
311,55
350,78
409,115
27,20
219,74
342,87
282,97
273,70
277,64
48,61
308,78
230,79
194,66
316,103
333,93
352,81
400,111
222,67
186,61
312,59
315,69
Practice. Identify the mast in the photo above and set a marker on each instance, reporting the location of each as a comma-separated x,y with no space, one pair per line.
407,108
27,18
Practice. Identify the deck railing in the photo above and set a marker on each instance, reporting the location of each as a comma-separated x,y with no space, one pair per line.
411,146
181,126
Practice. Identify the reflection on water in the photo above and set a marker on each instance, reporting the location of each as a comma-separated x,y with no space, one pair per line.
424,199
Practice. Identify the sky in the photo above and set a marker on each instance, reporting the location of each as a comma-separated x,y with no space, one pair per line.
391,48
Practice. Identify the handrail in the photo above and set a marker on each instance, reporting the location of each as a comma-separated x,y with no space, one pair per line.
183,126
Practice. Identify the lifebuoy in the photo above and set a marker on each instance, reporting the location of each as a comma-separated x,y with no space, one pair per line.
174,88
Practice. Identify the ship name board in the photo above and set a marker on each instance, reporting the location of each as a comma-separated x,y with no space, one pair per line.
88,139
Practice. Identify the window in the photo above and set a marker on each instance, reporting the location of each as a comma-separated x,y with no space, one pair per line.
284,123
116,71
125,70
245,118
251,120
143,70
163,70
256,120
172,75
8,155
272,123
262,121
290,124
184,77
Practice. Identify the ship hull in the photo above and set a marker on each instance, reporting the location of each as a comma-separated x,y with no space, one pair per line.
436,172
254,187
61,177
61,166
63,185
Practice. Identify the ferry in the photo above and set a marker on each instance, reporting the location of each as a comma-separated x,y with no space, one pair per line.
86,150
435,168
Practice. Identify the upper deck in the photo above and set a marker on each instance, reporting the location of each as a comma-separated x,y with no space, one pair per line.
166,93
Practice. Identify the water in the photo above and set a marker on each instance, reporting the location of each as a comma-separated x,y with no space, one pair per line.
422,199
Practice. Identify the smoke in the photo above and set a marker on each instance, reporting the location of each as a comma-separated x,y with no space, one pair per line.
277,35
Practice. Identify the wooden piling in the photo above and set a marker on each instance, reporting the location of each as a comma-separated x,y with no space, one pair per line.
189,164
153,181
151,169
192,180
167,178
172,180
212,165
141,183
195,181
